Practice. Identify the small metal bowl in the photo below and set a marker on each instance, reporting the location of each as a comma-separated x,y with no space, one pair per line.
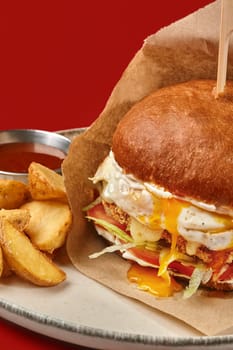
46,138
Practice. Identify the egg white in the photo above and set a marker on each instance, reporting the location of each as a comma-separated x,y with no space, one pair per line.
198,222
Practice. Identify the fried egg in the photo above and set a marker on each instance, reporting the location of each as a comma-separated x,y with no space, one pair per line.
153,206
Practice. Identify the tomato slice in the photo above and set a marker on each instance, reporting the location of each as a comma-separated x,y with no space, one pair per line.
152,257
181,269
98,212
144,254
228,274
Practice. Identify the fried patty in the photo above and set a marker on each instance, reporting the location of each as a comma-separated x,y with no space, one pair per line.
116,213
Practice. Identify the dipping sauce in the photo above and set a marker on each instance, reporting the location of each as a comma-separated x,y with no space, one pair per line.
16,157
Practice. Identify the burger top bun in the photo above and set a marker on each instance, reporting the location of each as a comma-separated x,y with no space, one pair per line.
181,138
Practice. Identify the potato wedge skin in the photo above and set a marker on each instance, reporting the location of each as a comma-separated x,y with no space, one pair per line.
1,262
49,224
13,194
7,271
25,260
45,184
19,218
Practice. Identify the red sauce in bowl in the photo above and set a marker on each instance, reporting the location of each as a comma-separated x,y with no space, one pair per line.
16,157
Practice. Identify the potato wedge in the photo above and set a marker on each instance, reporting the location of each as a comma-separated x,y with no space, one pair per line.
49,224
1,262
7,271
25,260
12,194
19,218
45,184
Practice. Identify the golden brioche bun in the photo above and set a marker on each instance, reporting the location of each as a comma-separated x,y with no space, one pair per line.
181,138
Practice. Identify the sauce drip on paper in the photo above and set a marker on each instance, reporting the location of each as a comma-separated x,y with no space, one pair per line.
148,280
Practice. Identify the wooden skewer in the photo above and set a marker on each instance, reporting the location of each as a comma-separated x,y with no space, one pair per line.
226,27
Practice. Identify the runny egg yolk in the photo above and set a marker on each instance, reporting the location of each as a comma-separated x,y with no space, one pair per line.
160,283
171,209
166,216
148,280
166,213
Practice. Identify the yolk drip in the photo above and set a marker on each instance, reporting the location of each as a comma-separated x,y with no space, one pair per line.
165,216
171,209
148,280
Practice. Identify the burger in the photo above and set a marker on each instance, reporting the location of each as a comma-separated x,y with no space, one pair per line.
165,191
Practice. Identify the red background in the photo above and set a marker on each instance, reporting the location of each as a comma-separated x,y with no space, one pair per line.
59,63
61,59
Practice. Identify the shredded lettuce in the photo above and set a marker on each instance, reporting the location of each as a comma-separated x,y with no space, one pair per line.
194,282
112,249
98,200
199,274
207,276
115,230
152,246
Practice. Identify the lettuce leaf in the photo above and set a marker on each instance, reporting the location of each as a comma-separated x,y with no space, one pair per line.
194,283
98,200
115,230
112,249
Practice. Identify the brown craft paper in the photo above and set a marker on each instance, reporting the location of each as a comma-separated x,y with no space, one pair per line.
185,50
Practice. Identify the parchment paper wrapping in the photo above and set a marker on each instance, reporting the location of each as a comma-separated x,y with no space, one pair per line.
182,51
